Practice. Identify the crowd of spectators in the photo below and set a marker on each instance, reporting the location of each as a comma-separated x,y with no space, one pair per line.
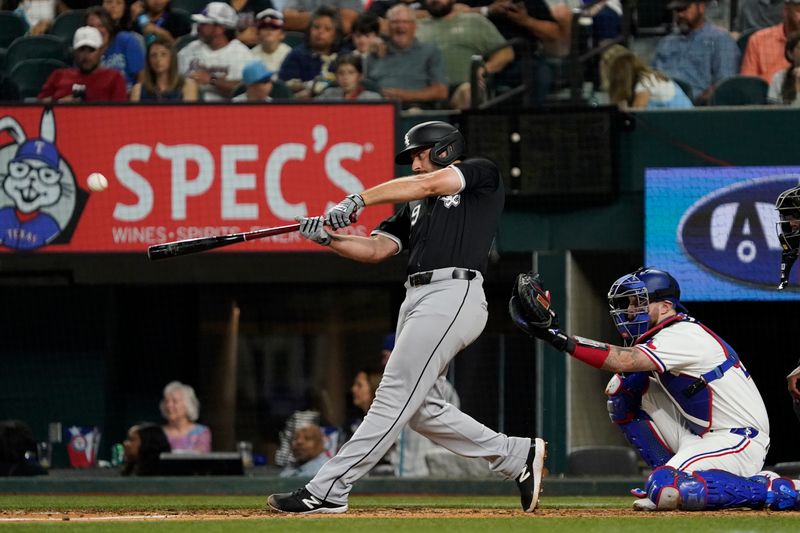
419,54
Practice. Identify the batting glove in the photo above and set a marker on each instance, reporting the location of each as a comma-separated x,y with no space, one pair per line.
345,212
313,229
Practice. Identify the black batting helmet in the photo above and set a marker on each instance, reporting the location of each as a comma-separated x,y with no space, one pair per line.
447,142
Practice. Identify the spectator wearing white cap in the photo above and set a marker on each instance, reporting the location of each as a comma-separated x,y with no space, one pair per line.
216,59
247,10
257,80
87,81
271,49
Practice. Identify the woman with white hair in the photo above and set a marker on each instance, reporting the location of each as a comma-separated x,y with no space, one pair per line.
181,409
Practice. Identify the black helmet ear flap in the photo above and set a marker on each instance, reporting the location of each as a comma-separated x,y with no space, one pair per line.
448,149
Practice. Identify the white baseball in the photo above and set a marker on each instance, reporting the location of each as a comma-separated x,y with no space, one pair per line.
515,137
97,182
515,172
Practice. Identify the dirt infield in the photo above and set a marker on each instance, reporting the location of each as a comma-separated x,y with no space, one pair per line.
411,513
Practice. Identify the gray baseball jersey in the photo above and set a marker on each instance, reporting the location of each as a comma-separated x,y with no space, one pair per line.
444,311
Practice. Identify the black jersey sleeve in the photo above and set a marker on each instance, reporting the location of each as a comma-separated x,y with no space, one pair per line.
397,227
480,175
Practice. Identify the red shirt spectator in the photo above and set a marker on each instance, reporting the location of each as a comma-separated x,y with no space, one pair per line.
88,82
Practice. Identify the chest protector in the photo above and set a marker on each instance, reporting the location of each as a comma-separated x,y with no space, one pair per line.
690,393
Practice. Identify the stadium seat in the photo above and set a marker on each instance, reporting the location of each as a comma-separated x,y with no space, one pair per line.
280,90
11,27
741,42
603,461
190,6
741,90
652,18
293,38
183,15
66,23
30,75
183,40
37,47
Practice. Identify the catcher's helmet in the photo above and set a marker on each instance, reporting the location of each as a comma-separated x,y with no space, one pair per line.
646,285
447,142
788,206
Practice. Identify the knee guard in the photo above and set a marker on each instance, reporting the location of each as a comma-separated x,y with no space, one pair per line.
671,489
625,409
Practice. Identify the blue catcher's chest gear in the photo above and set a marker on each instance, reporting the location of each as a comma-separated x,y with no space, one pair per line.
689,392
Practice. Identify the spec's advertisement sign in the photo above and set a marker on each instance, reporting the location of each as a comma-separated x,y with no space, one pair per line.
180,172
715,230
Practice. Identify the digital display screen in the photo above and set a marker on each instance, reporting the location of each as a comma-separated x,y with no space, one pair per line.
715,230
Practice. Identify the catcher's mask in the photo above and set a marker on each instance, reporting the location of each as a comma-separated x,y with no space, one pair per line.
630,296
446,141
788,206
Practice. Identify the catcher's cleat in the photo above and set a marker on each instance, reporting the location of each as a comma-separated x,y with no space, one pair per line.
302,502
529,482
644,504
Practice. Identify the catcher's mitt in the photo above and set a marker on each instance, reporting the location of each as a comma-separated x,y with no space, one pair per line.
529,306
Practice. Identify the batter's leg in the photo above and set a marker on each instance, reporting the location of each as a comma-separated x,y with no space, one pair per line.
438,321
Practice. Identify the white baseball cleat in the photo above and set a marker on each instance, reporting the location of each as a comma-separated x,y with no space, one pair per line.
644,504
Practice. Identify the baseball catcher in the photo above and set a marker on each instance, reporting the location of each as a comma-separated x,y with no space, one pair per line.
680,394
788,206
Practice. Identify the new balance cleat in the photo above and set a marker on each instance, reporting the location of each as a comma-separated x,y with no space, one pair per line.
529,482
302,502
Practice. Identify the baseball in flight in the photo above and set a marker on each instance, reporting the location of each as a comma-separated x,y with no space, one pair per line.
97,182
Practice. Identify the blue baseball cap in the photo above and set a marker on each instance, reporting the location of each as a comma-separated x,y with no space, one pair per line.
40,150
256,72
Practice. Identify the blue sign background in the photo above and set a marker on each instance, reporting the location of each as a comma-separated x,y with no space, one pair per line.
680,206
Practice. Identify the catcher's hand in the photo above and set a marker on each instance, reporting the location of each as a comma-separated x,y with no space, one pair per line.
529,306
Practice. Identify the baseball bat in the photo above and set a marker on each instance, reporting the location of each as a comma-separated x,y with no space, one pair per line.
201,244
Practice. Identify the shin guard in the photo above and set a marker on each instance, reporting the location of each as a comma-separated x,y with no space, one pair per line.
670,489
625,409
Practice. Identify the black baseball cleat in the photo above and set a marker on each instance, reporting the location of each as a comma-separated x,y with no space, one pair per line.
302,502
529,482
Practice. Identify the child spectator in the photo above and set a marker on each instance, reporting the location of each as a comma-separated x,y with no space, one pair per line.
366,34
349,78
246,11
271,49
633,85
784,86
160,79
258,82
121,49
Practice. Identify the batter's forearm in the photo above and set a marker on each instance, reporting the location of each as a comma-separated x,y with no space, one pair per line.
438,183
364,249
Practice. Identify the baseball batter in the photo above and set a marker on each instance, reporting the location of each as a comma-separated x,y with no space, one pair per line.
447,223
681,396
